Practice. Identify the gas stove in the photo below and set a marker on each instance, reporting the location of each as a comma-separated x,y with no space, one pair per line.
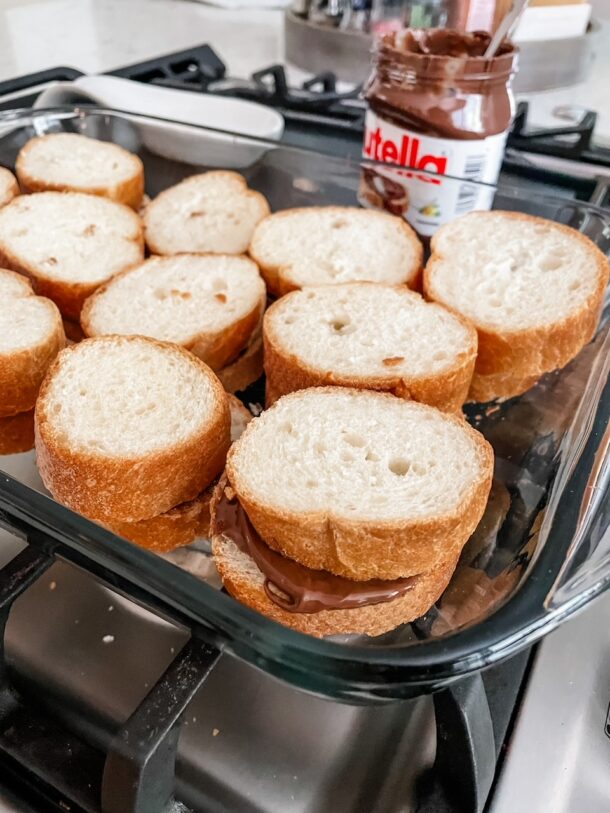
324,114
88,727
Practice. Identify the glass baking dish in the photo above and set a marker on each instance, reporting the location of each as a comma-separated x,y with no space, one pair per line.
541,552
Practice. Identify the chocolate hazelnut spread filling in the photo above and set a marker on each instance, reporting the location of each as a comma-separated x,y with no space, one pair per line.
437,82
389,194
290,585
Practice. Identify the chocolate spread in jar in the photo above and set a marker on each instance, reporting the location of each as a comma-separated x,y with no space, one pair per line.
384,193
436,105
290,585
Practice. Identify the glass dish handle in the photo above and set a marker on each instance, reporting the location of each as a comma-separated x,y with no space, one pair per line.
580,503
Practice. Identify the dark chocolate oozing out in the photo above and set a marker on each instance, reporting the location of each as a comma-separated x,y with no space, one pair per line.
292,586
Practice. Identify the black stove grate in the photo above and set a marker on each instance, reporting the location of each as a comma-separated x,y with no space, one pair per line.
201,69
317,113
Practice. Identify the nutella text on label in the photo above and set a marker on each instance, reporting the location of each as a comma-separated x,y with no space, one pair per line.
452,165
379,145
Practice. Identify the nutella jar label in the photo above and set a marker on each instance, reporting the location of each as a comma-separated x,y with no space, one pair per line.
427,201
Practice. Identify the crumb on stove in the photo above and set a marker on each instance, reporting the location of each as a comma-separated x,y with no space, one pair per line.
305,185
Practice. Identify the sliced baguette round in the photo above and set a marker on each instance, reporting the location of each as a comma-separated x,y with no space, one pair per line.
31,335
214,213
369,336
68,243
128,427
17,433
186,522
9,188
69,162
176,528
532,288
326,245
361,483
245,582
208,303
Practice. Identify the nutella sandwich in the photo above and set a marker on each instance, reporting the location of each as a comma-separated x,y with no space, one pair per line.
345,511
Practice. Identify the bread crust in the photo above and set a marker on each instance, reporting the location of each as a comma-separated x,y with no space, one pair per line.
129,191
509,362
246,369
131,488
17,433
374,549
175,528
277,277
373,619
152,242
287,372
11,187
501,386
183,524
22,371
216,349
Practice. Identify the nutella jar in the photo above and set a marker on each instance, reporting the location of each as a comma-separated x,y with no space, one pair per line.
436,105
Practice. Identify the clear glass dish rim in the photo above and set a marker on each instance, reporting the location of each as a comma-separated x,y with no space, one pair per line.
82,110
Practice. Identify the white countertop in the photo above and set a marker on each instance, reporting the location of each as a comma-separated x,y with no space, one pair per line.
98,35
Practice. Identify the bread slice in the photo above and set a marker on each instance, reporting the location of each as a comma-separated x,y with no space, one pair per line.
360,483
69,162
17,433
128,427
208,303
369,336
68,243
9,187
186,522
31,335
247,367
214,212
173,529
532,288
243,579
324,245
